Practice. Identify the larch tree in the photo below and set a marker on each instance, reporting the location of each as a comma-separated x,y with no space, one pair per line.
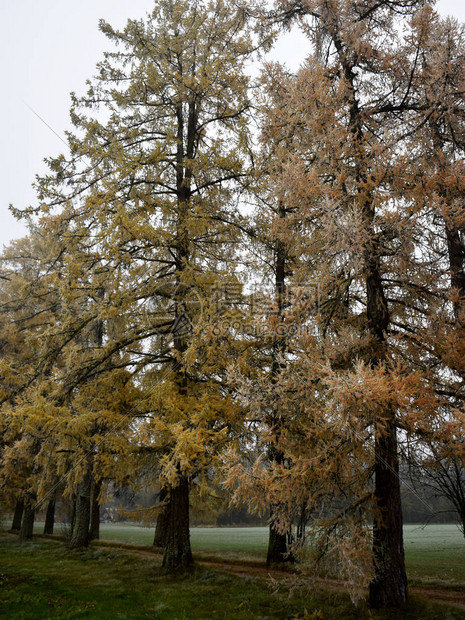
437,108
156,169
361,178
270,247
345,171
27,304
41,313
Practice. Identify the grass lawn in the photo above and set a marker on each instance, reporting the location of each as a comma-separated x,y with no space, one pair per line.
435,555
42,579
231,542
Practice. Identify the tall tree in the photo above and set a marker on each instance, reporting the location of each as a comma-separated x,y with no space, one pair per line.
26,304
269,247
156,183
344,170
439,112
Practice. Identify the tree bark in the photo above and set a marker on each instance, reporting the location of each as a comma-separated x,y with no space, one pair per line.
50,517
94,530
455,246
27,525
277,541
17,516
80,534
277,546
161,526
177,550
456,253
389,586
72,517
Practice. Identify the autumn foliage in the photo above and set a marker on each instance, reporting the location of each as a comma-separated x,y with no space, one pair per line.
249,283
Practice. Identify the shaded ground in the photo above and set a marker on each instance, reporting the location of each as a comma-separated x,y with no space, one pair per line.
447,596
42,579
111,579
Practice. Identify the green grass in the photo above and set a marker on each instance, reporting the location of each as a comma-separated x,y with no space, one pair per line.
42,579
240,542
434,554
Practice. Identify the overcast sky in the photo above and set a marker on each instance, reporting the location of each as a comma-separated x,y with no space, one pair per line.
48,48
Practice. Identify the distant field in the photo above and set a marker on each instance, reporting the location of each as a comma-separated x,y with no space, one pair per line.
243,541
240,542
435,553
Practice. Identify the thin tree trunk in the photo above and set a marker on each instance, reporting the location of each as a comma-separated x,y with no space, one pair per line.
177,550
278,541
302,525
454,229
161,526
50,517
80,535
278,549
456,252
96,484
17,516
27,525
94,530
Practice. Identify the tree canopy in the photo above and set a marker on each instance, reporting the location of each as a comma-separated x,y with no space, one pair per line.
249,283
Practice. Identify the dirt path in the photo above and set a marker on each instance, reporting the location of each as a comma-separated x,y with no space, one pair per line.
451,597
454,598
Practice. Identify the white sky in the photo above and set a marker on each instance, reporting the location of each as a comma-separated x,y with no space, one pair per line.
48,48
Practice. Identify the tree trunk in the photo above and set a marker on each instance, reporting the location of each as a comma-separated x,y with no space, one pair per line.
177,549
277,541
72,517
161,527
277,546
50,517
17,516
80,535
461,518
27,525
462,524
389,586
278,551
94,530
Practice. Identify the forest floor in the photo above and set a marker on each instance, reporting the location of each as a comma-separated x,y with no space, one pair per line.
42,579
